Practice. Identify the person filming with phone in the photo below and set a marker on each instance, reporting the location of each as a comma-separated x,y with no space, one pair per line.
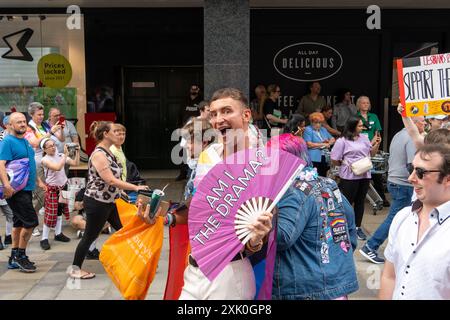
69,132
102,189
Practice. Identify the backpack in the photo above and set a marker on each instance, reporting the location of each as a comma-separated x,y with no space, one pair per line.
133,174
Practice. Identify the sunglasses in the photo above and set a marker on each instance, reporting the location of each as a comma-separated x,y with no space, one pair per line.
420,172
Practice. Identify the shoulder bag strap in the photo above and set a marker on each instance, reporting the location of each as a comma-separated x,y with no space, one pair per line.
109,153
267,122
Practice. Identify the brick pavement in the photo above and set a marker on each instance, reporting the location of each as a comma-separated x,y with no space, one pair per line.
49,282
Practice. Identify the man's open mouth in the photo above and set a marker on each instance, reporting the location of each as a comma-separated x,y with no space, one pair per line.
223,131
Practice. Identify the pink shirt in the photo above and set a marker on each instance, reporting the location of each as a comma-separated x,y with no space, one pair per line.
52,177
350,151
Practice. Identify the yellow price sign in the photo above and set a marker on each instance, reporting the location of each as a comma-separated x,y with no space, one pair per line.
54,71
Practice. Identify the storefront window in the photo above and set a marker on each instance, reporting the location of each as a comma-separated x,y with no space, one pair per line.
31,38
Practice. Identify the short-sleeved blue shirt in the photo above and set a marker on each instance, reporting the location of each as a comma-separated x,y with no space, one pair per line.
311,135
13,148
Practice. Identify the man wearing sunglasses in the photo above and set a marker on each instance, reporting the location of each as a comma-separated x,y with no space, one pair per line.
418,250
436,121
401,153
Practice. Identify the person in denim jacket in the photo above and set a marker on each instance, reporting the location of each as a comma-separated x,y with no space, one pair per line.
316,238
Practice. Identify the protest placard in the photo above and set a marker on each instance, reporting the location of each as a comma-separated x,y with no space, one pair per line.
424,84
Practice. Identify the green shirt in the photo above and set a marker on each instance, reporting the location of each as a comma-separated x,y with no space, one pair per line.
307,105
372,124
120,156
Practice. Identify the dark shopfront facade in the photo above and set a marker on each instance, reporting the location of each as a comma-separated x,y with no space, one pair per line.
365,56
366,65
148,57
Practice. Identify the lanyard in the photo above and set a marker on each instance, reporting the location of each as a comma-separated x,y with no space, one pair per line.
320,136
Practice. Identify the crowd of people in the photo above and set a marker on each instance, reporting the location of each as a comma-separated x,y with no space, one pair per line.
51,147
43,145
319,218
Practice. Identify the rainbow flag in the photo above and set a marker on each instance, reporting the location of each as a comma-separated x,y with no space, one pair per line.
337,221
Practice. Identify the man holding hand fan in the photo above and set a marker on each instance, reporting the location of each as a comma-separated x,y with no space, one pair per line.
230,115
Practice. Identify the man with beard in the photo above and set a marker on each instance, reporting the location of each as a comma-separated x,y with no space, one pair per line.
14,146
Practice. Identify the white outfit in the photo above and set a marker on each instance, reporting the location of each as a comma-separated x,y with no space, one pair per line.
235,282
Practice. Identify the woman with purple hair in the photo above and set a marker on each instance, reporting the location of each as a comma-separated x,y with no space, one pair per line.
316,235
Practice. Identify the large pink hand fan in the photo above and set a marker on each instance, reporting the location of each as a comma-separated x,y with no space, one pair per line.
232,196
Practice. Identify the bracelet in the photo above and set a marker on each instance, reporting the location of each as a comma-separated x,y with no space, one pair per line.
174,222
168,219
256,248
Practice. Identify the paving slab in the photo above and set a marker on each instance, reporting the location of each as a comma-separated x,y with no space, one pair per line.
67,294
42,268
54,278
50,282
44,292
15,289
112,294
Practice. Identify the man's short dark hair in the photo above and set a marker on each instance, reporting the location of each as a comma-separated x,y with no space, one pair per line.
425,153
232,93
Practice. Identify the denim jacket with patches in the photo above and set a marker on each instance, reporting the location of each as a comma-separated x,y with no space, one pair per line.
316,237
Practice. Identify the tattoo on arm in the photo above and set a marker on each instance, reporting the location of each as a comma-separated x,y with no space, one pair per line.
103,169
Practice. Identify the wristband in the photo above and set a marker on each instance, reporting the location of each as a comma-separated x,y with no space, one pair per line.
168,219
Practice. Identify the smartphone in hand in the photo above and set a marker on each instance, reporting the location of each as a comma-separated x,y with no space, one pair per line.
61,120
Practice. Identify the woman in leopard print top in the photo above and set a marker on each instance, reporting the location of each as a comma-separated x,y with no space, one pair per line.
103,187
96,187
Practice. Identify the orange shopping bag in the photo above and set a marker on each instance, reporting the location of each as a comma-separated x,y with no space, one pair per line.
130,256
126,211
